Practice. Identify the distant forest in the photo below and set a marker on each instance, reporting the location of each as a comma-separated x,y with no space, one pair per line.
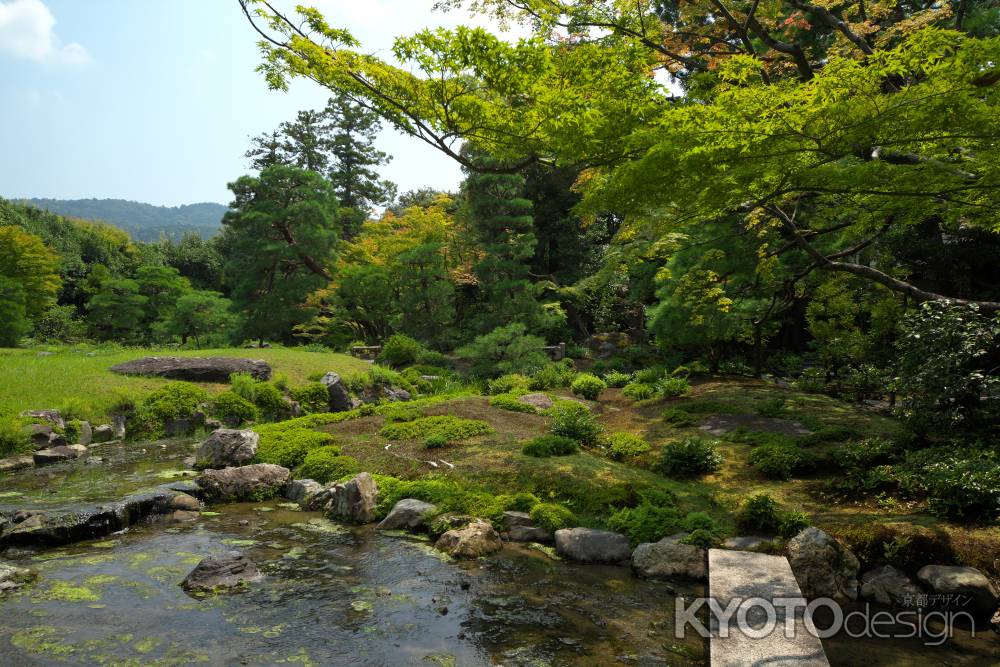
143,222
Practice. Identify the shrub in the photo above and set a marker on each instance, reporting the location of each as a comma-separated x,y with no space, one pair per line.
375,378
523,502
550,445
508,349
512,403
812,380
450,428
177,400
13,439
506,384
433,359
760,438
401,413
827,434
700,521
400,350
773,407
244,384
965,485
780,461
551,516
865,453
649,375
72,430
690,457
436,441
312,397
270,401
625,445
576,421
759,514
553,376
678,417
232,409
287,446
639,391
651,520
587,385
325,464
792,523
617,378
670,387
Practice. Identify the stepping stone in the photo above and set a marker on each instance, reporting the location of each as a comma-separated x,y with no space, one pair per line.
745,575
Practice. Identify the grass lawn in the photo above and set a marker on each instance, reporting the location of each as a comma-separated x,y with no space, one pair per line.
77,380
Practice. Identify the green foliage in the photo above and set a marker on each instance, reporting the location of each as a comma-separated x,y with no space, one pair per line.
401,413
626,445
639,391
507,349
312,397
773,408
505,384
650,375
232,409
679,417
700,521
287,443
946,368
202,316
617,378
511,402
400,350
866,453
587,385
964,485
575,421
12,437
672,386
792,523
326,464
265,396
436,441
552,516
177,400
651,520
690,457
550,445
552,376
29,280
779,461
451,429
759,514
700,537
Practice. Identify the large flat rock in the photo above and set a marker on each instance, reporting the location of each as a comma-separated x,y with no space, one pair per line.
195,369
746,575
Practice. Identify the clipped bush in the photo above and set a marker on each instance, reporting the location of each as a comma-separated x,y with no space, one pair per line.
700,521
625,445
576,421
866,453
965,485
828,434
700,537
522,502
812,380
287,446
395,412
690,457
587,385
400,350
508,349
777,461
773,407
312,397
653,519
433,359
13,439
436,441
553,376
649,375
550,445
511,402
506,384
678,417
232,409
617,378
177,400
670,387
270,401
326,464
759,514
792,523
552,516
639,391
450,428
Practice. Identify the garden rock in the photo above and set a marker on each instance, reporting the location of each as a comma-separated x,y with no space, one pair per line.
301,490
592,546
183,501
57,440
195,369
670,558
529,534
103,433
968,588
339,398
823,566
86,433
889,586
58,454
407,514
38,434
746,543
223,571
511,519
227,447
539,401
50,417
246,483
16,463
354,500
473,540
119,423
12,576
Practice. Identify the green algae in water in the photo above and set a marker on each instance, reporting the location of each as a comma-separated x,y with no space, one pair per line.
362,606
147,645
322,526
293,507
40,639
10,494
443,660
65,591
105,544
548,551
240,543
209,513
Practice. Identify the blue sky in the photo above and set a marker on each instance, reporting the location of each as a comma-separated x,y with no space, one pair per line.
155,100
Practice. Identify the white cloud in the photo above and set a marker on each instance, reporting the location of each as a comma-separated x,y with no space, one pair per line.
26,31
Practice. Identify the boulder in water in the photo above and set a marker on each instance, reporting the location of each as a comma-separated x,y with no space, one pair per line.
407,514
221,572
474,540
227,447
256,482
589,545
